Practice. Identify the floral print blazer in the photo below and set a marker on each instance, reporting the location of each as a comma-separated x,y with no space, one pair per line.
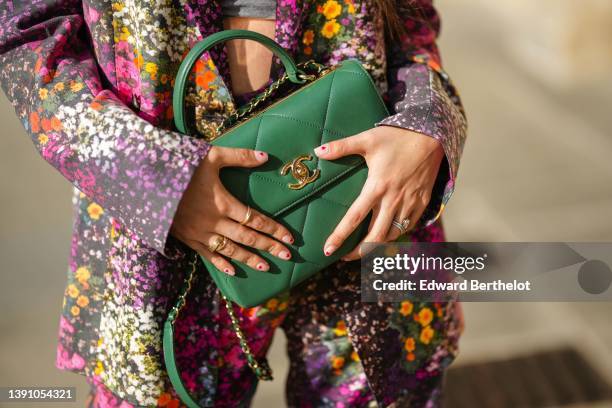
91,82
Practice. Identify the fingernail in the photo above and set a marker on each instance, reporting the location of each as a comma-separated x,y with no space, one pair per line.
288,239
323,149
284,254
229,271
329,250
261,156
262,266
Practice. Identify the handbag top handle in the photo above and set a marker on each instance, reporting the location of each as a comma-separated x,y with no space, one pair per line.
180,83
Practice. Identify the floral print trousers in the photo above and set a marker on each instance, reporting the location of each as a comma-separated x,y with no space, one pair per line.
334,342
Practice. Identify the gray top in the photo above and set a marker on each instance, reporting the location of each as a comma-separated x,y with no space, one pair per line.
249,8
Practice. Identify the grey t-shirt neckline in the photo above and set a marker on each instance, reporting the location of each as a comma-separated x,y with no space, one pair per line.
249,8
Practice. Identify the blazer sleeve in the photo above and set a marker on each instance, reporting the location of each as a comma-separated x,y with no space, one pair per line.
136,172
423,97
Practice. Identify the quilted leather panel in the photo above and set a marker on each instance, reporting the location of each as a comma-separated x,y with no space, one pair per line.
340,104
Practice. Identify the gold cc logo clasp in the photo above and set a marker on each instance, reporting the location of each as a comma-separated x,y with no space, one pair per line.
300,172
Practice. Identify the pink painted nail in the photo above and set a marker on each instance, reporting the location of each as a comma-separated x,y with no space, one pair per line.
288,239
229,271
323,149
262,266
329,250
261,156
284,254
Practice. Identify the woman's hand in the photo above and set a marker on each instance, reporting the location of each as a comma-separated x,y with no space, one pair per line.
207,211
402,170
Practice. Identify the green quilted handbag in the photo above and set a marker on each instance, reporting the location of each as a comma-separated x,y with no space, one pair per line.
306,195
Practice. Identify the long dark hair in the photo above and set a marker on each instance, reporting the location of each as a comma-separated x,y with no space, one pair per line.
389,16
393,12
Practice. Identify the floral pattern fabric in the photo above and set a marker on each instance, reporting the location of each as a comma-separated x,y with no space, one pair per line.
91,82
344,352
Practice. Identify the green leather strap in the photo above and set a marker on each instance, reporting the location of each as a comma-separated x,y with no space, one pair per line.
168,340
172,369
180,83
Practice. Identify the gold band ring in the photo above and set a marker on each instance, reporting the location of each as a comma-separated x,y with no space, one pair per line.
247,216
219,243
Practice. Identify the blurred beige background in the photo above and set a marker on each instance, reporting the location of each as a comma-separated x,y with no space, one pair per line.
536,79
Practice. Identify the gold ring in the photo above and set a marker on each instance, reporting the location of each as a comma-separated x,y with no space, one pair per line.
247,216
218,245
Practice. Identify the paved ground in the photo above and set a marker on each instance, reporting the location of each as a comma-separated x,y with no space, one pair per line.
536,168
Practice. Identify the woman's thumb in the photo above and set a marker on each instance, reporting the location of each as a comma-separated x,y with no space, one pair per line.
233,157
340,148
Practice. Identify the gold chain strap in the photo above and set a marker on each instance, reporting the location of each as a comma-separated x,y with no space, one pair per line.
308,71
261,369
182,299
